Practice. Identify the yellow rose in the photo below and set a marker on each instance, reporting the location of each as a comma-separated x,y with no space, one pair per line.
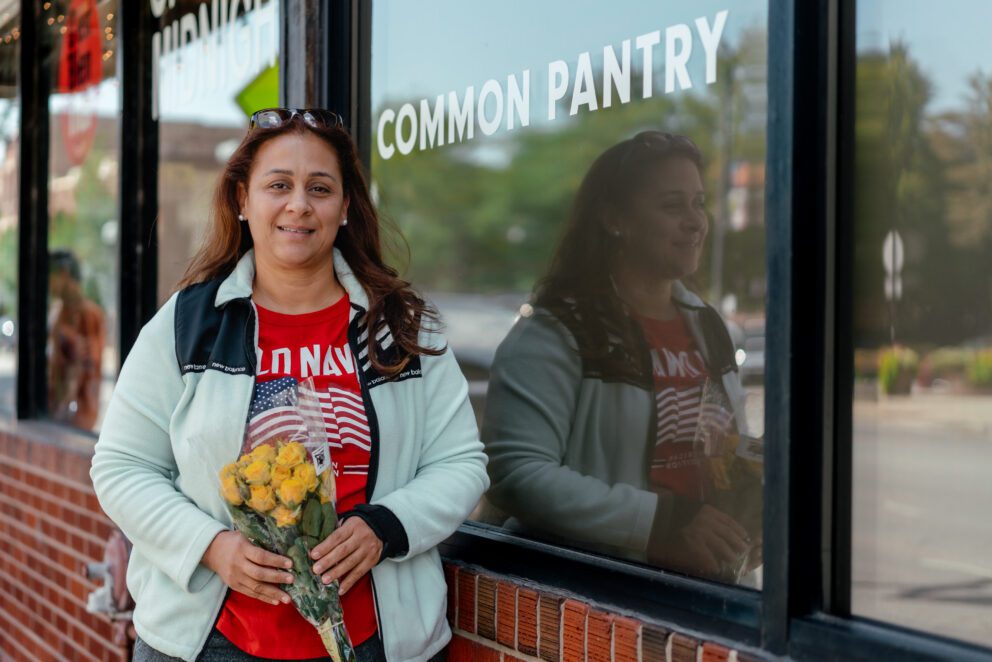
285,516
262,499
292,492
279,474
306,474
264,452
230,490
229,470
291,454
256,473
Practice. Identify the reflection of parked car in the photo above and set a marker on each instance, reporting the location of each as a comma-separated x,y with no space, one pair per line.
751,352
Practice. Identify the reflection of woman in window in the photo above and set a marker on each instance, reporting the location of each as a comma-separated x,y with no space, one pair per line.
595,398
290,285
76,341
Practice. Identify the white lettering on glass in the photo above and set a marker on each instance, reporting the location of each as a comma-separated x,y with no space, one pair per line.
507,102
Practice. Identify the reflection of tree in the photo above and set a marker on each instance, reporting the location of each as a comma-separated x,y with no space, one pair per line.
8,271
82,231
964,140
913,174
478,224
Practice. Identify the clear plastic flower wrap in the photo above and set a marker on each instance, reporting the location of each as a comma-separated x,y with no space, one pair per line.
732,469
281,496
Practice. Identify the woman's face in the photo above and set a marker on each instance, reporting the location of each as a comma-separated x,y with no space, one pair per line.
665,222
294,201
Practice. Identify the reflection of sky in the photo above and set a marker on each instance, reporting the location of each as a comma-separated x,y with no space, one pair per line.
208,101
422,53
949,40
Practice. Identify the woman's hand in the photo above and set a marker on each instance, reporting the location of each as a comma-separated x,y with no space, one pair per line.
248,569
347,554
710,540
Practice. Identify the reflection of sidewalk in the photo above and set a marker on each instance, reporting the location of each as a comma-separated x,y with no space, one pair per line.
967,413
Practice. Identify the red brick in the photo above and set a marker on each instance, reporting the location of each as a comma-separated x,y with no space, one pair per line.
684,649
573,631
550,623
466,600
715,653
484,654
654,641
506,614
451,579
626,632
527,621
461,650
599,635
485,605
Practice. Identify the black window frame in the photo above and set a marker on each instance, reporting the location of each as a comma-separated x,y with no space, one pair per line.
803,610
137,199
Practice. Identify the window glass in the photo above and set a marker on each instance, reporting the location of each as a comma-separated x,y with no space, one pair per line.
582,189
10,117
923,317
82,45
215,64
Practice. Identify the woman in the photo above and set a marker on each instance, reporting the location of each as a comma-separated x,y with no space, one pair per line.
594,400
76,338
289,284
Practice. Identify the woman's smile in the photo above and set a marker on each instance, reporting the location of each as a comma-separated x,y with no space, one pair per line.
295,230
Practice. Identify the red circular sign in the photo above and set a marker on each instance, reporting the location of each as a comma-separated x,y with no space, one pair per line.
80,69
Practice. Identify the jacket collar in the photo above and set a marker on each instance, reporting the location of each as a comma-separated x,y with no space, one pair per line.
238,284
682,295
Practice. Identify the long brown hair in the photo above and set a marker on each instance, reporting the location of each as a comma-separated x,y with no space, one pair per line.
578,284
392,302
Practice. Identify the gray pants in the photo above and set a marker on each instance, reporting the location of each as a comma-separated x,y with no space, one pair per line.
219,649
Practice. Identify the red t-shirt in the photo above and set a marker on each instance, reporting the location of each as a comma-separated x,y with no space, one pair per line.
679,376
297,347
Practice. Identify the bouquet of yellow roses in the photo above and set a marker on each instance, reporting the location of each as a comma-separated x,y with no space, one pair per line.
281,496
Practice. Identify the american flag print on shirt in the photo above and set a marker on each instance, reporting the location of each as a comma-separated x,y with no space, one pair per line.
275,413
347,426
678,413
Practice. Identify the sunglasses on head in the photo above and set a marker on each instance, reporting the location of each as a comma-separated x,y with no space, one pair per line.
273,118
655,142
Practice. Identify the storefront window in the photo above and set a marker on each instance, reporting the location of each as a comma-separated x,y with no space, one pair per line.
216,64
923,317
10,117
572,204
82,41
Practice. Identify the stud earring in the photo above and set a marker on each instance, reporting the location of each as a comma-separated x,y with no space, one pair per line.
344,222
241,217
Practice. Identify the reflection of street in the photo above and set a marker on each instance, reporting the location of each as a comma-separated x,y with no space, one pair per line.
922,549
8,385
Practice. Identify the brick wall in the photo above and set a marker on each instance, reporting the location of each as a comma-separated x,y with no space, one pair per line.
499,620
50,526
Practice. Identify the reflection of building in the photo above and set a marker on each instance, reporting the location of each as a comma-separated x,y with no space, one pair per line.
189,158
8,186
65,175
747,195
